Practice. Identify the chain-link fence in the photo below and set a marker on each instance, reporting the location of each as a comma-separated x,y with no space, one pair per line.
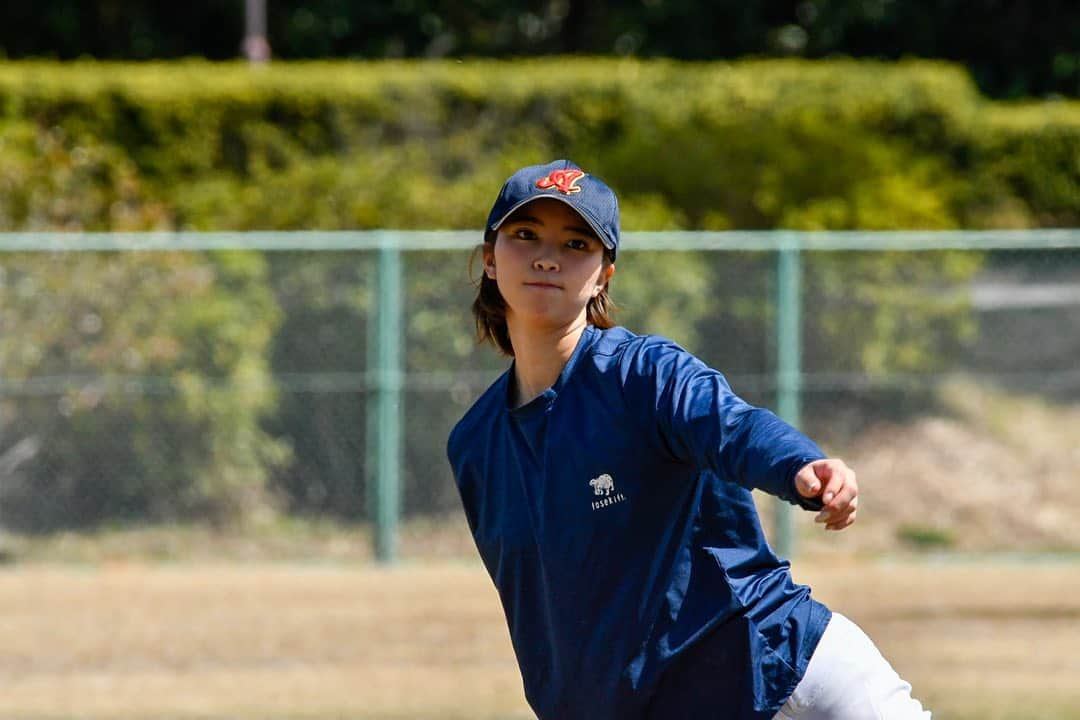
158,378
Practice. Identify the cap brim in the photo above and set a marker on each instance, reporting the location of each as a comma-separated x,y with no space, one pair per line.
596,230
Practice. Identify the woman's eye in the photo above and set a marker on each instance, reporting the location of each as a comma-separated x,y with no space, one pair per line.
578,244
525,234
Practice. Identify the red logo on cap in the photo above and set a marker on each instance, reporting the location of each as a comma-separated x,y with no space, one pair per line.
565,181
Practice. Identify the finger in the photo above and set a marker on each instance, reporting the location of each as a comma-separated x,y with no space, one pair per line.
832,488
846,497
824,469
842,509
807,483
829,517
845,523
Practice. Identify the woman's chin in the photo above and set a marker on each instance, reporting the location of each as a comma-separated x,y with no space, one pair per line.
545,318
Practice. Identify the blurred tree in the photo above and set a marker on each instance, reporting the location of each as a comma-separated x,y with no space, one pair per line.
1012,48
185,442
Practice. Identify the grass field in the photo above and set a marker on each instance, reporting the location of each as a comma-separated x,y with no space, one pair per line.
128,640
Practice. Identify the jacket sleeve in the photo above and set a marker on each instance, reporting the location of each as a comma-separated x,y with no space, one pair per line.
702,422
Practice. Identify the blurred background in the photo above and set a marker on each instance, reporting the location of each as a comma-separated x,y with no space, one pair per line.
235,328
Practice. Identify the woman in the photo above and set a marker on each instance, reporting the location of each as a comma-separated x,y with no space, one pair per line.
606,479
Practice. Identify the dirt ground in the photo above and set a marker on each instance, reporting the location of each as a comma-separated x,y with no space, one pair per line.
977,640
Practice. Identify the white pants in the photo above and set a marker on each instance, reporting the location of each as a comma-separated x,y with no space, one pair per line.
848,679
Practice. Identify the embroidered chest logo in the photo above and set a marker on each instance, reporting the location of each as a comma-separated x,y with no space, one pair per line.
604,488
565,181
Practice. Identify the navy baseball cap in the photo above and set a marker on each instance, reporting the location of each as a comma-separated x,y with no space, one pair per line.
562,180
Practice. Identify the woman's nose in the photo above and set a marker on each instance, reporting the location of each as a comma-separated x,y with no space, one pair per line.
545,264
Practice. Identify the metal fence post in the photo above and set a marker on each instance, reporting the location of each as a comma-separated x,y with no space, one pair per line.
788,364
371,399
388,372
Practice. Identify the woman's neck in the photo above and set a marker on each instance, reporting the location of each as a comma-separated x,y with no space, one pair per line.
540,355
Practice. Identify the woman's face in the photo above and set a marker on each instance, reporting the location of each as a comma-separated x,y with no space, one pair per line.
548,264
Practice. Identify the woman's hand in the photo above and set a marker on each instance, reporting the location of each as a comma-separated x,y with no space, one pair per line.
833,482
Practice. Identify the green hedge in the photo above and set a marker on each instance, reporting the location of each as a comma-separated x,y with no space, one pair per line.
749,145
195,145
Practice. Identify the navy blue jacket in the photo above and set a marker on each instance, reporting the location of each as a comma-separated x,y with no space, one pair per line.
614,516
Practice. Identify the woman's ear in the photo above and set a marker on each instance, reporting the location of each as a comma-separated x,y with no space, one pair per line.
605,277
489,261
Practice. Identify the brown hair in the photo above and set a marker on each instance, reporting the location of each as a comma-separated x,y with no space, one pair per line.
489,307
